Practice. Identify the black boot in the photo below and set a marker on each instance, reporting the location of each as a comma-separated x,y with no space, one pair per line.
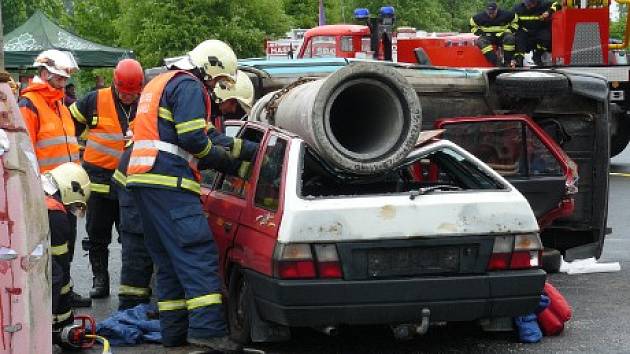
100,282
76,300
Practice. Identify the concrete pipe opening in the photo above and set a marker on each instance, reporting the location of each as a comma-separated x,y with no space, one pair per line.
364,119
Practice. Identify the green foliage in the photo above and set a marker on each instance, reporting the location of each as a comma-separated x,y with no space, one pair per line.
173,28
93,20
15,12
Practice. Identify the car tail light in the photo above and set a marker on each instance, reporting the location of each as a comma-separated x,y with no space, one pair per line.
515,252
296,261
328,265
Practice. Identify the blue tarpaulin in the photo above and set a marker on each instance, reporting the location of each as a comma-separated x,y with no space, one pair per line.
131,327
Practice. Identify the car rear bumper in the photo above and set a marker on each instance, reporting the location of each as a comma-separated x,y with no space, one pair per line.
454,298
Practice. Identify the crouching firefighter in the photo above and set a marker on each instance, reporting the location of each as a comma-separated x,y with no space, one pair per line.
170,147
67,189
534,32
495,26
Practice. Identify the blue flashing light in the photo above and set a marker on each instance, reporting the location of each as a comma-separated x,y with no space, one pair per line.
361,14
386,11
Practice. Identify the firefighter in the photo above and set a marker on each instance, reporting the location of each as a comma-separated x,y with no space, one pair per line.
234,103
50,125
137,266
534,29
106,114
495,27
170,146
67,188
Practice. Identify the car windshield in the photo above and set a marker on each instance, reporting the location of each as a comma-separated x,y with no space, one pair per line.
437,171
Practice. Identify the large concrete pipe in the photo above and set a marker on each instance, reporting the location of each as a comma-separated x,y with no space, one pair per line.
364,118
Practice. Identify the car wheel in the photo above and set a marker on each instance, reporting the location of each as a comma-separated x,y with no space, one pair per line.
551,260
531,84
239,319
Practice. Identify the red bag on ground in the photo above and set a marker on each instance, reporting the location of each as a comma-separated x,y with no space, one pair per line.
552,319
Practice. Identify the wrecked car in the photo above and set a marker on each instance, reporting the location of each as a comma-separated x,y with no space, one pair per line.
440,237
570,108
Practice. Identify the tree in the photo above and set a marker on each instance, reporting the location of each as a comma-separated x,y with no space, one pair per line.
94,19
173,27
15,12
305,13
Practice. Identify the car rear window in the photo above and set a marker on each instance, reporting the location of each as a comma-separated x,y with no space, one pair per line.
445,169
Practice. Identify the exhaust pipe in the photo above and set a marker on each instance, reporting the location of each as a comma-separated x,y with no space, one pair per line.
364,118
331,331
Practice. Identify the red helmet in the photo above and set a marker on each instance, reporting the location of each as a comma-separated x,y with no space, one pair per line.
128,76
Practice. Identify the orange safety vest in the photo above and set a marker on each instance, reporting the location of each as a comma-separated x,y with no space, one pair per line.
146,138
105,141
54,204
55,142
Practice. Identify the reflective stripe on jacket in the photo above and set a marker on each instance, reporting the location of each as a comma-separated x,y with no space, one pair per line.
504,21
147,141
105,141
55,140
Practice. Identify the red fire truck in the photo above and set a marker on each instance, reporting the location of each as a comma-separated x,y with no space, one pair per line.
581,43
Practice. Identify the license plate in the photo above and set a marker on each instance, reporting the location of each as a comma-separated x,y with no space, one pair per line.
412,261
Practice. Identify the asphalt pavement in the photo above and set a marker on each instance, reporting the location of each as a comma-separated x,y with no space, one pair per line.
601,306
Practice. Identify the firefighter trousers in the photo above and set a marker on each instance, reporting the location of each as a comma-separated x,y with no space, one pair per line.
538,41
102,215
137,266
181,245
487,45
60,234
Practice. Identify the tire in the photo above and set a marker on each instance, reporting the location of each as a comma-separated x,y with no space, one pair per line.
531,84
551,260
619,132
239,319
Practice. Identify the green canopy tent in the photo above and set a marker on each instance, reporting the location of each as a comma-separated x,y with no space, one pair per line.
39,33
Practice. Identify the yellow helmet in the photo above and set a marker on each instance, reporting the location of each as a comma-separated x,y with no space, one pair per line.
215,58
242,91
72,182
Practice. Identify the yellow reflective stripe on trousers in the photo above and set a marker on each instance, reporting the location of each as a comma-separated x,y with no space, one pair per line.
62,317
120,177
134,291
99,188
167,181
492,29
66,288
205,300
59,250
191,125
172,305
165,114
205,150
237,146
78,116
487,49
509,48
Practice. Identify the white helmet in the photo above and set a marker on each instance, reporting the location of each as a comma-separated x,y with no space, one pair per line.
57,62
242,91
215,58
72,182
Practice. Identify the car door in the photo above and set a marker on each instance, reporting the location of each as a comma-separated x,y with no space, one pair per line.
262,217
224,196
520,151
